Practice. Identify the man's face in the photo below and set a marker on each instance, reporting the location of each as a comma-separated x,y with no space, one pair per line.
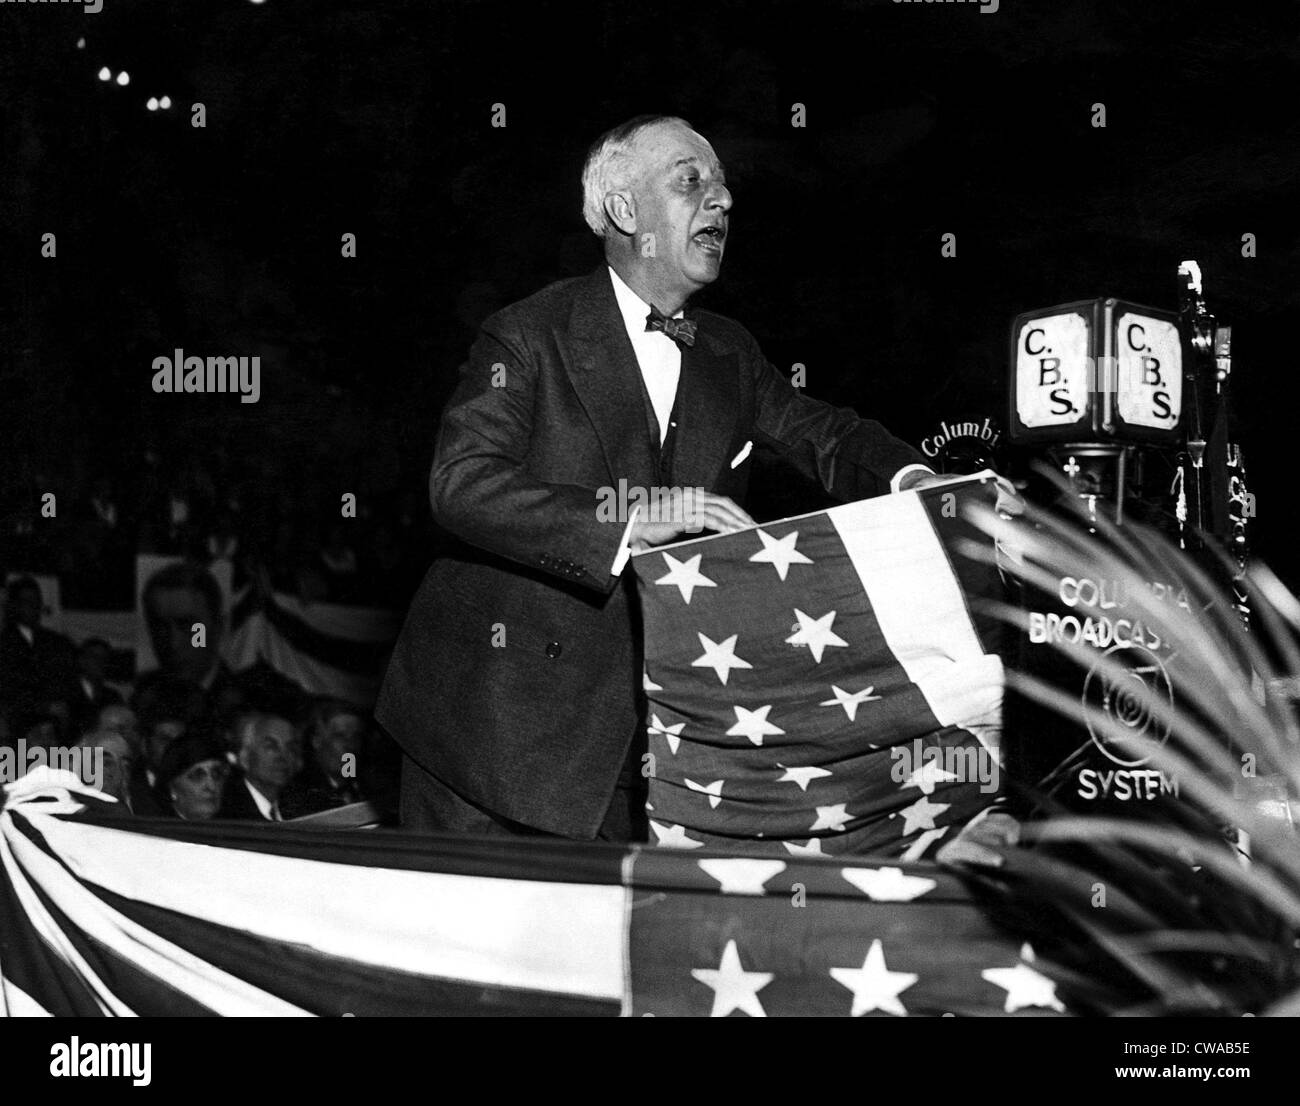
171,614
271,756
120,719
681,198
340,737
116,765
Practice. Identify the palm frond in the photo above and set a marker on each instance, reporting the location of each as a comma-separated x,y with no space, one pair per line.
1193,909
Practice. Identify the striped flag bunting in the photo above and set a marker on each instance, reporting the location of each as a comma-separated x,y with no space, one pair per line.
106,915
324,648
819,685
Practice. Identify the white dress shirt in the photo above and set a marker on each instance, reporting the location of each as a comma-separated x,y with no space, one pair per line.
660,360
657,356
270,811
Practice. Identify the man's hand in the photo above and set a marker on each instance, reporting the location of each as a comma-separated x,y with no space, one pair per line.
982,841
1009,501
688,513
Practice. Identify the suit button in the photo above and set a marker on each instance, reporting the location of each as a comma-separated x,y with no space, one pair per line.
553,649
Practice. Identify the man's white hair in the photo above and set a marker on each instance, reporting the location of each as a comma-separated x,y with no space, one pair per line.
608,164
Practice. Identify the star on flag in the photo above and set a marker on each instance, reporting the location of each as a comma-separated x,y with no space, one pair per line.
850,700
1024,986
780,552
753,724
671,734
802,776
720,656
673,837
921,815
712,790
928,776
743,875
873,985
733,987
834,818
888,884
685,575
816,633
813,848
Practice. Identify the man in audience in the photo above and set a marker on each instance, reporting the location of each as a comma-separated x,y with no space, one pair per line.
36,664
167,709
121,720
176,599
89,691
113,766
336,736
270,756
159,736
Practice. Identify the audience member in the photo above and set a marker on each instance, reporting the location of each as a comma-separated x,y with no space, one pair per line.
176,599
120,719
270,756
336,738
89,691
192,777
36,664
113,765
159,736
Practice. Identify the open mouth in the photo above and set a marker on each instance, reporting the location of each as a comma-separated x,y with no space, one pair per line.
710,239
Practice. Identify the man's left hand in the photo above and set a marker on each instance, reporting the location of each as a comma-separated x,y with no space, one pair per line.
1009,500
982,841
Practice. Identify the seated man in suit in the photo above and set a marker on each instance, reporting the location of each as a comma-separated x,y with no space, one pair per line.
515,687
336,735
270,756
107,766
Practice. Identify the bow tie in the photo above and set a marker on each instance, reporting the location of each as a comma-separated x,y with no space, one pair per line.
681,331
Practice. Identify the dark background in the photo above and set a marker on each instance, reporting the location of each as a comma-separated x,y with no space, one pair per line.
374,118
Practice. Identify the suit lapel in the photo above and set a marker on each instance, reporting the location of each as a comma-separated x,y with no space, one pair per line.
607,380
708,401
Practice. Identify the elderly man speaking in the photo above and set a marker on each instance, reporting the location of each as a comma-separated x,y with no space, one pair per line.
515,687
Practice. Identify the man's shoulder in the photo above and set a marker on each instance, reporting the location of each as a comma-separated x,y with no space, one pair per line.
723,332
548,306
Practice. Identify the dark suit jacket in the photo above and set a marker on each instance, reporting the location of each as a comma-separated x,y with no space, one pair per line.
236,802
312,792
33,675
85,709
537,731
